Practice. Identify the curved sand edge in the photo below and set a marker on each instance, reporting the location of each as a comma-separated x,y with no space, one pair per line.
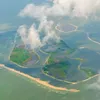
58,29
12,51
39,81
92,39
21,65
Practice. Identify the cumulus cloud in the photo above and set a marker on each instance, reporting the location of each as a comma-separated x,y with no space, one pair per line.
57,8
83,8
22,32
33,11
47,26
30,36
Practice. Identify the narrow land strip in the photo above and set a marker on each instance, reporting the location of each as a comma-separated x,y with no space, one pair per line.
38,80
92,39
57,28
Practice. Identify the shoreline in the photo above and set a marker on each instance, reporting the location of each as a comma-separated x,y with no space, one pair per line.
37,80
12,51
73,83
82,81
76,29
92,39
21,65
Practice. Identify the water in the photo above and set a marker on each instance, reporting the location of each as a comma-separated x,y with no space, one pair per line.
35,92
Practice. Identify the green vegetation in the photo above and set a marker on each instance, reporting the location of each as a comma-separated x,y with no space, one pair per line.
58,73
57,66
57,70
20,56
69,51
80,59
51,60
89,72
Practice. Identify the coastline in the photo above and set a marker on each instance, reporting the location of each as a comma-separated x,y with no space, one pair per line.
79,67
92,39
12,51
76,29
37,80
24,66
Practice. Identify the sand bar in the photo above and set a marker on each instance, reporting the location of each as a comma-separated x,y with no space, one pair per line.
39,81
58,29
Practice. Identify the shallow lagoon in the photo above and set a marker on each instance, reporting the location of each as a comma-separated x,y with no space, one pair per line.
66,27
72,39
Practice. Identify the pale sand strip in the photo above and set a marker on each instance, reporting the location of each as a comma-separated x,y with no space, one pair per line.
92,39
39,81
76,29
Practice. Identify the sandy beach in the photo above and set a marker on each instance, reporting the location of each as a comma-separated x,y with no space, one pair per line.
2,65
39,81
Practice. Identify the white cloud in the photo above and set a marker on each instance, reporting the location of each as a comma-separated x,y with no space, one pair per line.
22,30
83,8
33,11
50,34
33,38
58,8
30,36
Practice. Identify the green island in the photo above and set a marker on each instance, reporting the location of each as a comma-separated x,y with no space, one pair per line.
56,67
20,56
57,70
88,72
70,51
58,64
80,59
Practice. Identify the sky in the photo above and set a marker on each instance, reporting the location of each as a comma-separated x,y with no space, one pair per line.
9,10
20,15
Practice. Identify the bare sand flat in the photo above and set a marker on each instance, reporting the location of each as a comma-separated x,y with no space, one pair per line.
2,65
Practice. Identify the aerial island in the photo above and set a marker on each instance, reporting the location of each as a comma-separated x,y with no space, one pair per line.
21,56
